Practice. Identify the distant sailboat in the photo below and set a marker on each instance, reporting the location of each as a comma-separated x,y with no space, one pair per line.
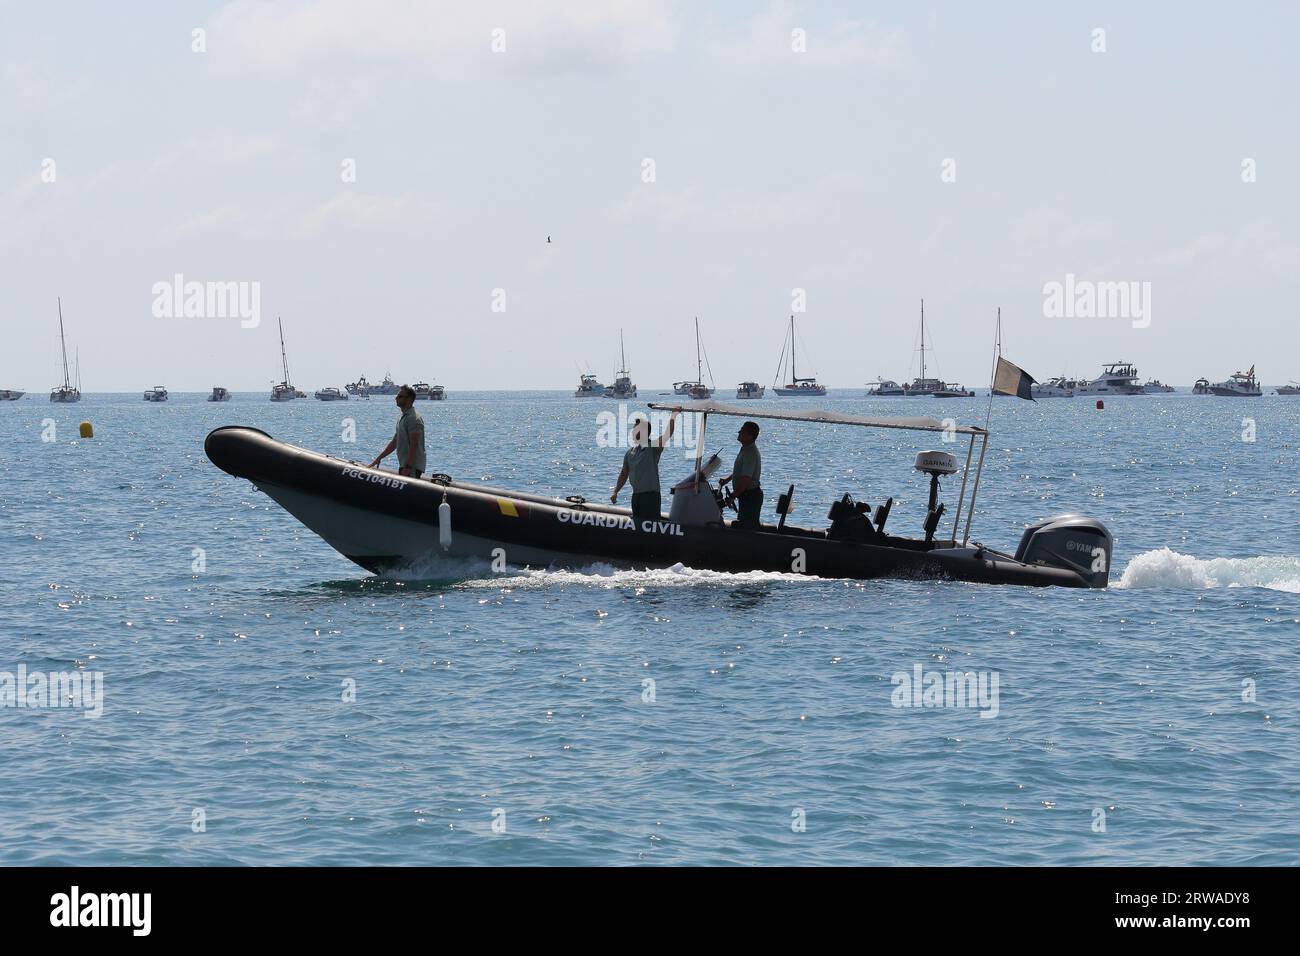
696,389
66,392
796,385
284,391
623,386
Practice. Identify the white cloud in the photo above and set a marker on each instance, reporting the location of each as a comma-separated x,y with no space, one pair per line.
769,39
353,209
446,37
1046,223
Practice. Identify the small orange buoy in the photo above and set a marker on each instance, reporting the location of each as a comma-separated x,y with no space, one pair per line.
1100,404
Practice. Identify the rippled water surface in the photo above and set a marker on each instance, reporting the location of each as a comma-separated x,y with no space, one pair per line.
668,716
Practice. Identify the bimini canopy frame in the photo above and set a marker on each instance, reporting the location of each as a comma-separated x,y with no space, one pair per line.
817,416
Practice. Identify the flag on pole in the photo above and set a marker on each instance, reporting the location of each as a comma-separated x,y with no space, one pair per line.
1012,380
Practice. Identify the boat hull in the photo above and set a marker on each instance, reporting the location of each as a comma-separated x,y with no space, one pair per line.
383,521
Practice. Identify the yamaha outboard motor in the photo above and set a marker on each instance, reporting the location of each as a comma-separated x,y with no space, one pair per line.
1074,542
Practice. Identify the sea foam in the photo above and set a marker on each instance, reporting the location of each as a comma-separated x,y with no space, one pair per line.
1165,568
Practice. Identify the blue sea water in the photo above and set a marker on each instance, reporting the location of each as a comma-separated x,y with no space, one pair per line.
1151,723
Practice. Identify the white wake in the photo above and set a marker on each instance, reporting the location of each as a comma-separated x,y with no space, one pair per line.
1165,568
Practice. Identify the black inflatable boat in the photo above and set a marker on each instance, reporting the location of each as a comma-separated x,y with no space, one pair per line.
381,520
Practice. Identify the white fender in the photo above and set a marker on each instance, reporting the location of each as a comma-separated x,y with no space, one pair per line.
444,525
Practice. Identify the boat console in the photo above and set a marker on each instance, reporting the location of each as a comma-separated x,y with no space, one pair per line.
694,500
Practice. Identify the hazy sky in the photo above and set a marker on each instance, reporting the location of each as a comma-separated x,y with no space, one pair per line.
774,169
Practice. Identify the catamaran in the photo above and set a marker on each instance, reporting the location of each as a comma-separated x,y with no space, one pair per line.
1239,384
923,384
67,392
284,391
382,520
623,386
696,389
795,386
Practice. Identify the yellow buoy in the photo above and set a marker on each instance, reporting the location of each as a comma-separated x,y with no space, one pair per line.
87,431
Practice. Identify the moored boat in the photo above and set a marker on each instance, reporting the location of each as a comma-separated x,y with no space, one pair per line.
886,388
331,394
67,392
750,390
219,394
155,394
386,387
795,386
1116,378
623,386
1154,385
10,395
1238,385
359,388
954,390
1202,387
284,391
1058,387
1290,389
588,387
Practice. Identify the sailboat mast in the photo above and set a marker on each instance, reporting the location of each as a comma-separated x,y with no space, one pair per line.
794,372
698,368
284,358
63,344
621,354
923,340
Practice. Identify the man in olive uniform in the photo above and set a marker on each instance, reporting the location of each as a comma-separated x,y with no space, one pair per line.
408,441
641,464
745,476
